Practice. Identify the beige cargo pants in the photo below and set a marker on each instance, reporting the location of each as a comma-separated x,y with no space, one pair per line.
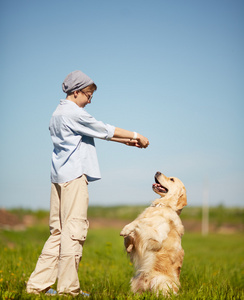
62,251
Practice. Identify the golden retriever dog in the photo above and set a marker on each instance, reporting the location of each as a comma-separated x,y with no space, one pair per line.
153,239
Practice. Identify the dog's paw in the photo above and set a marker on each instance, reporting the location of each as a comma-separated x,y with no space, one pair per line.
129,248
129,243
127,230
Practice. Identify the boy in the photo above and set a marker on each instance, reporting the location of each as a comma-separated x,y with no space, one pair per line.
74,164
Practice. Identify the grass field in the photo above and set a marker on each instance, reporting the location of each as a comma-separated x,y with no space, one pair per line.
213,266
217,215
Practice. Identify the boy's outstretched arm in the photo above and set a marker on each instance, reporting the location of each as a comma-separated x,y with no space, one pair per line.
130,138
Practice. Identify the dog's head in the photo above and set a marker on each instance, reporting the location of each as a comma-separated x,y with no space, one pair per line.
171,190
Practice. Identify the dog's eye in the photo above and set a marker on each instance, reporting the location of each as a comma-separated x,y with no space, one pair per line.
172,179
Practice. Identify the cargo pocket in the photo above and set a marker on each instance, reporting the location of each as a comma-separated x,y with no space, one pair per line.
78,229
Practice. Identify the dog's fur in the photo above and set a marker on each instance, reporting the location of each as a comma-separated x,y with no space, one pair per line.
153,239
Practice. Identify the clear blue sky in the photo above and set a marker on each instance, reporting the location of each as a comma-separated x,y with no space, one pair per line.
171,70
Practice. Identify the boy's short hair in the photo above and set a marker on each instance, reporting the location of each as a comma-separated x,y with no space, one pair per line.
90,88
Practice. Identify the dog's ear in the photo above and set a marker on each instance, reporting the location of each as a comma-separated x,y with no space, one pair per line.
182,201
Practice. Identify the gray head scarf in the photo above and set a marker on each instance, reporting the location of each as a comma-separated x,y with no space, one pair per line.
75,81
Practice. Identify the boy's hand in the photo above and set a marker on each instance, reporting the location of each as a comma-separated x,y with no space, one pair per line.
140,142
134,143
143,141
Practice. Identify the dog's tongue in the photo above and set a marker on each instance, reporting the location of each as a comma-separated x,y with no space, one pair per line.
159,187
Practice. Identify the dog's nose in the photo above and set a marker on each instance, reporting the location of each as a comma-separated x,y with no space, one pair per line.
158,173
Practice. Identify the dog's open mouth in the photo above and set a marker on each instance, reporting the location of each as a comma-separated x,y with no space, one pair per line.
157,186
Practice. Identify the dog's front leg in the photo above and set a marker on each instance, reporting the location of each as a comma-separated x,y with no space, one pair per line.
128,229
129,242
128,233
153,231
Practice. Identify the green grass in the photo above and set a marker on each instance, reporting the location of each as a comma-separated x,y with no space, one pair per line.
213,266
218,215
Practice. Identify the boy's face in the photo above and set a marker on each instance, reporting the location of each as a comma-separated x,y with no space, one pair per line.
82,98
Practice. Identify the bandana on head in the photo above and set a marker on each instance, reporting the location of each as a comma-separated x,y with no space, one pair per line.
75,81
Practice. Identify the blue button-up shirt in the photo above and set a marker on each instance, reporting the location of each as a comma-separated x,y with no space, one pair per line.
72,131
